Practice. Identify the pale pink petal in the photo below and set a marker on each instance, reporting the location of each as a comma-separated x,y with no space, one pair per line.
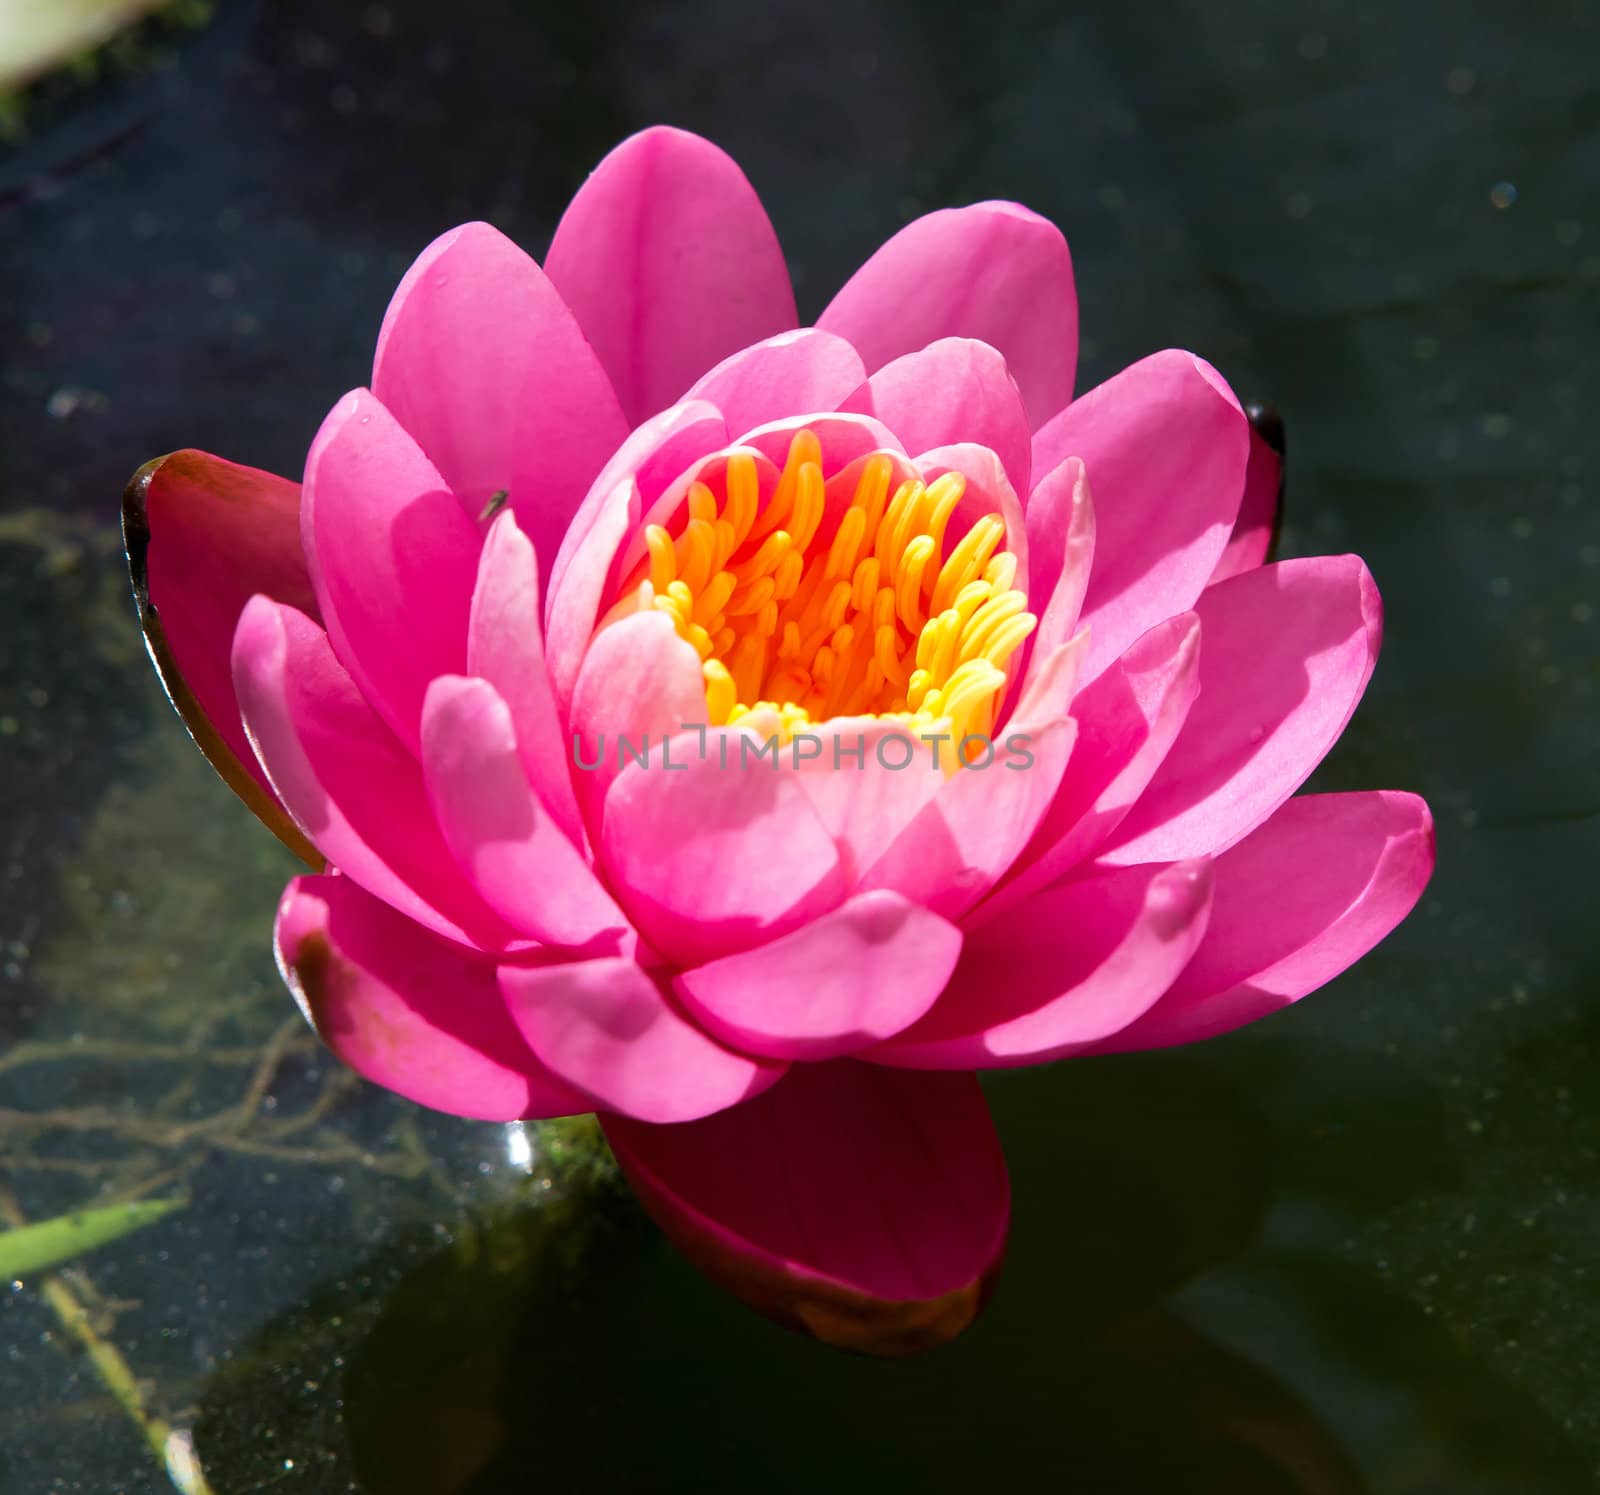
1251,540
349,783
865,1206
794,373
640,685
853,977
1288,650
670,264
964,841
1127,721
955,390
866,777
203,536
1298,901
844,437
408,1011
993,271
393,556
604,1026
1164,444
1061,971
481,361
517,857
711,850
505,646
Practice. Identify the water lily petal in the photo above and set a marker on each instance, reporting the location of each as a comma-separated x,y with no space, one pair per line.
1253,530
640,685
669,262
1062,970
710,856
505,646
643,468
1165,445
203,536
350,784
517,857
993,271
866,777
855,976
955,390
1299,900
1127,722
393,557
865,1206
408,1011
1288,650
604,1026
1061,529
481,361
959,846
794,373
845,436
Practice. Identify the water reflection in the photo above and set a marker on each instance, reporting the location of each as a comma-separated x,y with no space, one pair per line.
1179,1313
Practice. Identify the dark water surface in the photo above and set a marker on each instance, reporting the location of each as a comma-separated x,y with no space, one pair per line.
1356,1247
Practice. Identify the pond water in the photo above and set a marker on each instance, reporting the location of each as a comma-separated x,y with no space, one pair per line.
1356,1247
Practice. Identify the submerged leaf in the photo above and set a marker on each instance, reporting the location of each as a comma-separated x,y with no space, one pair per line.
49,1243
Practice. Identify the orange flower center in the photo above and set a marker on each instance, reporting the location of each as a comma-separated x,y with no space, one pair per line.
876,620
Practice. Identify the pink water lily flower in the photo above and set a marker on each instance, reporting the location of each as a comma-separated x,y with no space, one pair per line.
749,732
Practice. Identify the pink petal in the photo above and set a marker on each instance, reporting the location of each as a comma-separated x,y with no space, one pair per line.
794,373
865,1206
603,1026
505,646
866,777
585,567
640,684
572,608
515,854
481,361
844,437
853,977
1061,971
1289,649
654,454
204,535
710,857
1164,444
995,272
341,773
1298,901
393,556
1061,530
670,264
406,1010
955,390
959,846
1258,513
1127,721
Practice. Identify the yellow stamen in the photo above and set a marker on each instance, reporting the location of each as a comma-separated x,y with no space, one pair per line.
875,619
